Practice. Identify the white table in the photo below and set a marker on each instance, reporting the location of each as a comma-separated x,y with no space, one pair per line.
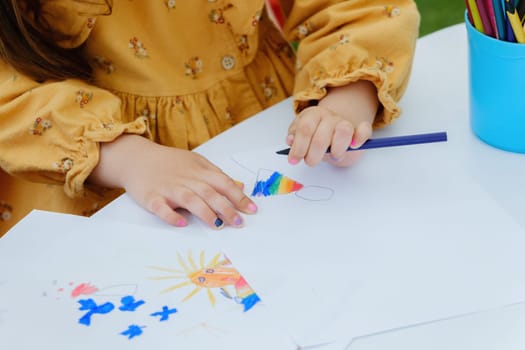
436,99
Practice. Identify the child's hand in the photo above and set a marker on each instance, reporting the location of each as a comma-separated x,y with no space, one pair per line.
162,179
341,119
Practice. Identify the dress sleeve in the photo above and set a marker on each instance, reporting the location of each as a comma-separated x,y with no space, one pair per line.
50,132
339,42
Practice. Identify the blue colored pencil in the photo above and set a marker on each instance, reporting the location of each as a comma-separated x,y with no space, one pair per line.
510,32
501,20
393,141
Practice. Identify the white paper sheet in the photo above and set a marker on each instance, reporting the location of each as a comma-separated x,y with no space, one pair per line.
71,282
500,328
407,237
403,239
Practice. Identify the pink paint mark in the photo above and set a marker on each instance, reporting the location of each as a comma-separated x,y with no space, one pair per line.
83,289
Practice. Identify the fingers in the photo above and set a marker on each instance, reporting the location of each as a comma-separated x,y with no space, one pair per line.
320,141
362,133
159,207
206,204
310,135
301,132
339,156
222,203
220,185
316,129
342,137
223,196
216,203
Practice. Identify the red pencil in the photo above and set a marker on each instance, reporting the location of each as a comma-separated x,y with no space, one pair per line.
484,14
489,5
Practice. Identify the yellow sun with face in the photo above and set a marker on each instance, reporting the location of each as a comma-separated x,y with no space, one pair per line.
217,273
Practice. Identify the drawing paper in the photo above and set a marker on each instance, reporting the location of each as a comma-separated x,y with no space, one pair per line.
72,282
402,239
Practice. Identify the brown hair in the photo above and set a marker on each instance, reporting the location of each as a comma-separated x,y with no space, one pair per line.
29,45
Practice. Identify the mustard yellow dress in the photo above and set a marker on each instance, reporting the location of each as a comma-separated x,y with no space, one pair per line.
181,72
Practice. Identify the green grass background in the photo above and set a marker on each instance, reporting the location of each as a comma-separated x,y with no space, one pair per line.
437,14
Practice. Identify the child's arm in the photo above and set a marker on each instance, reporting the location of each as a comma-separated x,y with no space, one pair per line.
342,43
50,132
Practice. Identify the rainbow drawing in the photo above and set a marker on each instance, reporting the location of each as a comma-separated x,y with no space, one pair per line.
276,184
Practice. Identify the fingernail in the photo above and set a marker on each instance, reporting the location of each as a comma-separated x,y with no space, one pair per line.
353,144
239,184
181,223
237,221
335,159
252,208
293,161
218,223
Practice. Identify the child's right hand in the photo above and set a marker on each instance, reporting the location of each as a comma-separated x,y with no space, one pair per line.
162,179
343,118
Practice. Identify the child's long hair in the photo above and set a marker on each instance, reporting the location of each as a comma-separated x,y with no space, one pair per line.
29,45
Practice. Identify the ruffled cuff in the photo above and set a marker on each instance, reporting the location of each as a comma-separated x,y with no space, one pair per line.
50,132
84,159
312,82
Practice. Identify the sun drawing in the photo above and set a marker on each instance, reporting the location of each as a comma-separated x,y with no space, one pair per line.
217,273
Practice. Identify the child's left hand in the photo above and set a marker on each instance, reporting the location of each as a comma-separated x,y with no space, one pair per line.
341,119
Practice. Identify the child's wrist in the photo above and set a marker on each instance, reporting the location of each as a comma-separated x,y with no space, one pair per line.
356,101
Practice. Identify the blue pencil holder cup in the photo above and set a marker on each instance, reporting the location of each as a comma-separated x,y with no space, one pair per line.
497,89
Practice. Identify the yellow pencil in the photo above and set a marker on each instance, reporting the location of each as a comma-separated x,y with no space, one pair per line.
476,18
515,21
